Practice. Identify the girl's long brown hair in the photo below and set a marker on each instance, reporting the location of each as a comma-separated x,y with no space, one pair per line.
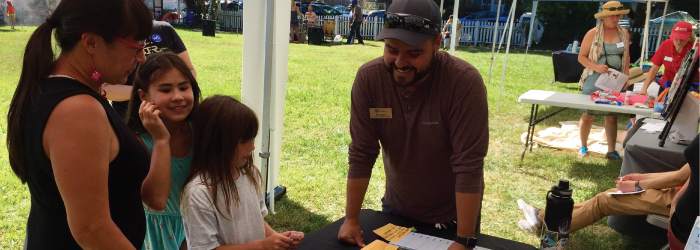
155,66
106,18
219,124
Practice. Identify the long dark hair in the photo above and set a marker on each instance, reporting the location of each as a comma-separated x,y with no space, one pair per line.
155,66
72,18
220,123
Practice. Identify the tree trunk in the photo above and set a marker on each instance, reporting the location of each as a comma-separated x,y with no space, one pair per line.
214,9
204,10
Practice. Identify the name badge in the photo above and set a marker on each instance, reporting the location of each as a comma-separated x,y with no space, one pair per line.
620,45
668,58
380,113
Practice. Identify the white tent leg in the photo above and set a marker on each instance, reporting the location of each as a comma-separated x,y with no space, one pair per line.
529,37
495,34
505,62
453,32
642,59
442,3
661,28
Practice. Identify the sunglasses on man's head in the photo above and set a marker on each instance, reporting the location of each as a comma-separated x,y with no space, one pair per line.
410,22
615,8
138,48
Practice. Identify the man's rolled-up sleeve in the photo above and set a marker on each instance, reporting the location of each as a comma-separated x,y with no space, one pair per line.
364,147
469,132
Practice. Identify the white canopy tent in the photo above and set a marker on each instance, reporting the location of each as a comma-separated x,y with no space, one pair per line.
264,81
532,22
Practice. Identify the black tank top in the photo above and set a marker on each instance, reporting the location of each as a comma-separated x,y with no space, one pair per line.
47,226
683,219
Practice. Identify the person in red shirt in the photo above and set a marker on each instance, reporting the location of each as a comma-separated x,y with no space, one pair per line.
670,54
11,14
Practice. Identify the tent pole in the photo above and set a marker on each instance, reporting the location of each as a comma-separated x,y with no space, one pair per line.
646,35
454,31
495,33
661,28
442,3
265,143
529,37
505,62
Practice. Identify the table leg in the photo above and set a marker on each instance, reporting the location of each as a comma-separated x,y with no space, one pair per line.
530,131
537,108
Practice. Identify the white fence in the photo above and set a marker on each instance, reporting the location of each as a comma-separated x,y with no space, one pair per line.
473,33
652,39
477,33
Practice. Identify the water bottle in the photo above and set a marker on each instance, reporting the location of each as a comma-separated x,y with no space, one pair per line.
627,97
557,218
574,48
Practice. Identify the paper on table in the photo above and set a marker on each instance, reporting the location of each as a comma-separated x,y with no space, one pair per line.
620,192
380,245
392,232
693,242
416,241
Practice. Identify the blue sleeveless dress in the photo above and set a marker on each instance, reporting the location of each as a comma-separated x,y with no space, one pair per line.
164,229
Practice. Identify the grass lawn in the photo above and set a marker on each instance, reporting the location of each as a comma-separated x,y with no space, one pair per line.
314,157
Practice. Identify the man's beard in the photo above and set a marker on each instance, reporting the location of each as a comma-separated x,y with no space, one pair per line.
417,75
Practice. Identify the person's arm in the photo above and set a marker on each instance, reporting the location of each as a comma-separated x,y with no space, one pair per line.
185,56
585,50
651,76
677,197
469,137
117,93
78,139
362,154
670,179
156,187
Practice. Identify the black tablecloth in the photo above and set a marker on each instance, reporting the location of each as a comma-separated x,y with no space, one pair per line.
643,155
327,237
567,69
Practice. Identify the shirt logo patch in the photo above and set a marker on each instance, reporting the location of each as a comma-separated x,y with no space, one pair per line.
156,38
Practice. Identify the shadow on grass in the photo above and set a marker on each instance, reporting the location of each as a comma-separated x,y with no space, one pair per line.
290,215
603,175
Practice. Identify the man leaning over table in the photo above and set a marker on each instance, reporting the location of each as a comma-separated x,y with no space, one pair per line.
428,110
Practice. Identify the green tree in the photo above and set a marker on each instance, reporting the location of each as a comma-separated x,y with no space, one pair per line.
690,6
564,21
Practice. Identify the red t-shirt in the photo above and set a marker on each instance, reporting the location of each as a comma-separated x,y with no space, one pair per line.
10,9
672,60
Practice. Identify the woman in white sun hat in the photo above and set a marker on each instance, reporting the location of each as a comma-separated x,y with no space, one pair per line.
605,46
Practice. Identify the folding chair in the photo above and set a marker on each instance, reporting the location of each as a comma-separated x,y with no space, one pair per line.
659,221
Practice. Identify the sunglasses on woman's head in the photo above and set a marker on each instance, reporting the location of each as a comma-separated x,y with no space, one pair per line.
138,48
615,8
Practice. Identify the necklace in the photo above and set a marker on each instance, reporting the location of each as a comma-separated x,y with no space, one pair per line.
100,91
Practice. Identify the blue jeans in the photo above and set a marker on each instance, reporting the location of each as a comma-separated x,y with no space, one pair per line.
355,31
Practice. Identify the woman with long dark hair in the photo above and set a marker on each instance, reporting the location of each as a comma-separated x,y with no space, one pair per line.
83,166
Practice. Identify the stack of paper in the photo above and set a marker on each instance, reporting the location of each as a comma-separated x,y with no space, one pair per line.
403,238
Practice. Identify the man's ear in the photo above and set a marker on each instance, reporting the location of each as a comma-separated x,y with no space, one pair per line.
437,42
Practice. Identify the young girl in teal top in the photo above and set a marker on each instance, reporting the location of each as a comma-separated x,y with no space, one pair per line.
162,98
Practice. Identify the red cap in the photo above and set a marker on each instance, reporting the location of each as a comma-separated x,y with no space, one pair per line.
681,30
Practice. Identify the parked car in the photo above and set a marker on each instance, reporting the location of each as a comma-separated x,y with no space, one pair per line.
488,16
377,13
671,20
343,9
539,26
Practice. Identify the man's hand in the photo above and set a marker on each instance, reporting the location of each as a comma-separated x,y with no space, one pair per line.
350,233
633,177
625,186
457,246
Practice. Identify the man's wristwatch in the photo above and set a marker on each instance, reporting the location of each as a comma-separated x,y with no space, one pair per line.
467,242
636,187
